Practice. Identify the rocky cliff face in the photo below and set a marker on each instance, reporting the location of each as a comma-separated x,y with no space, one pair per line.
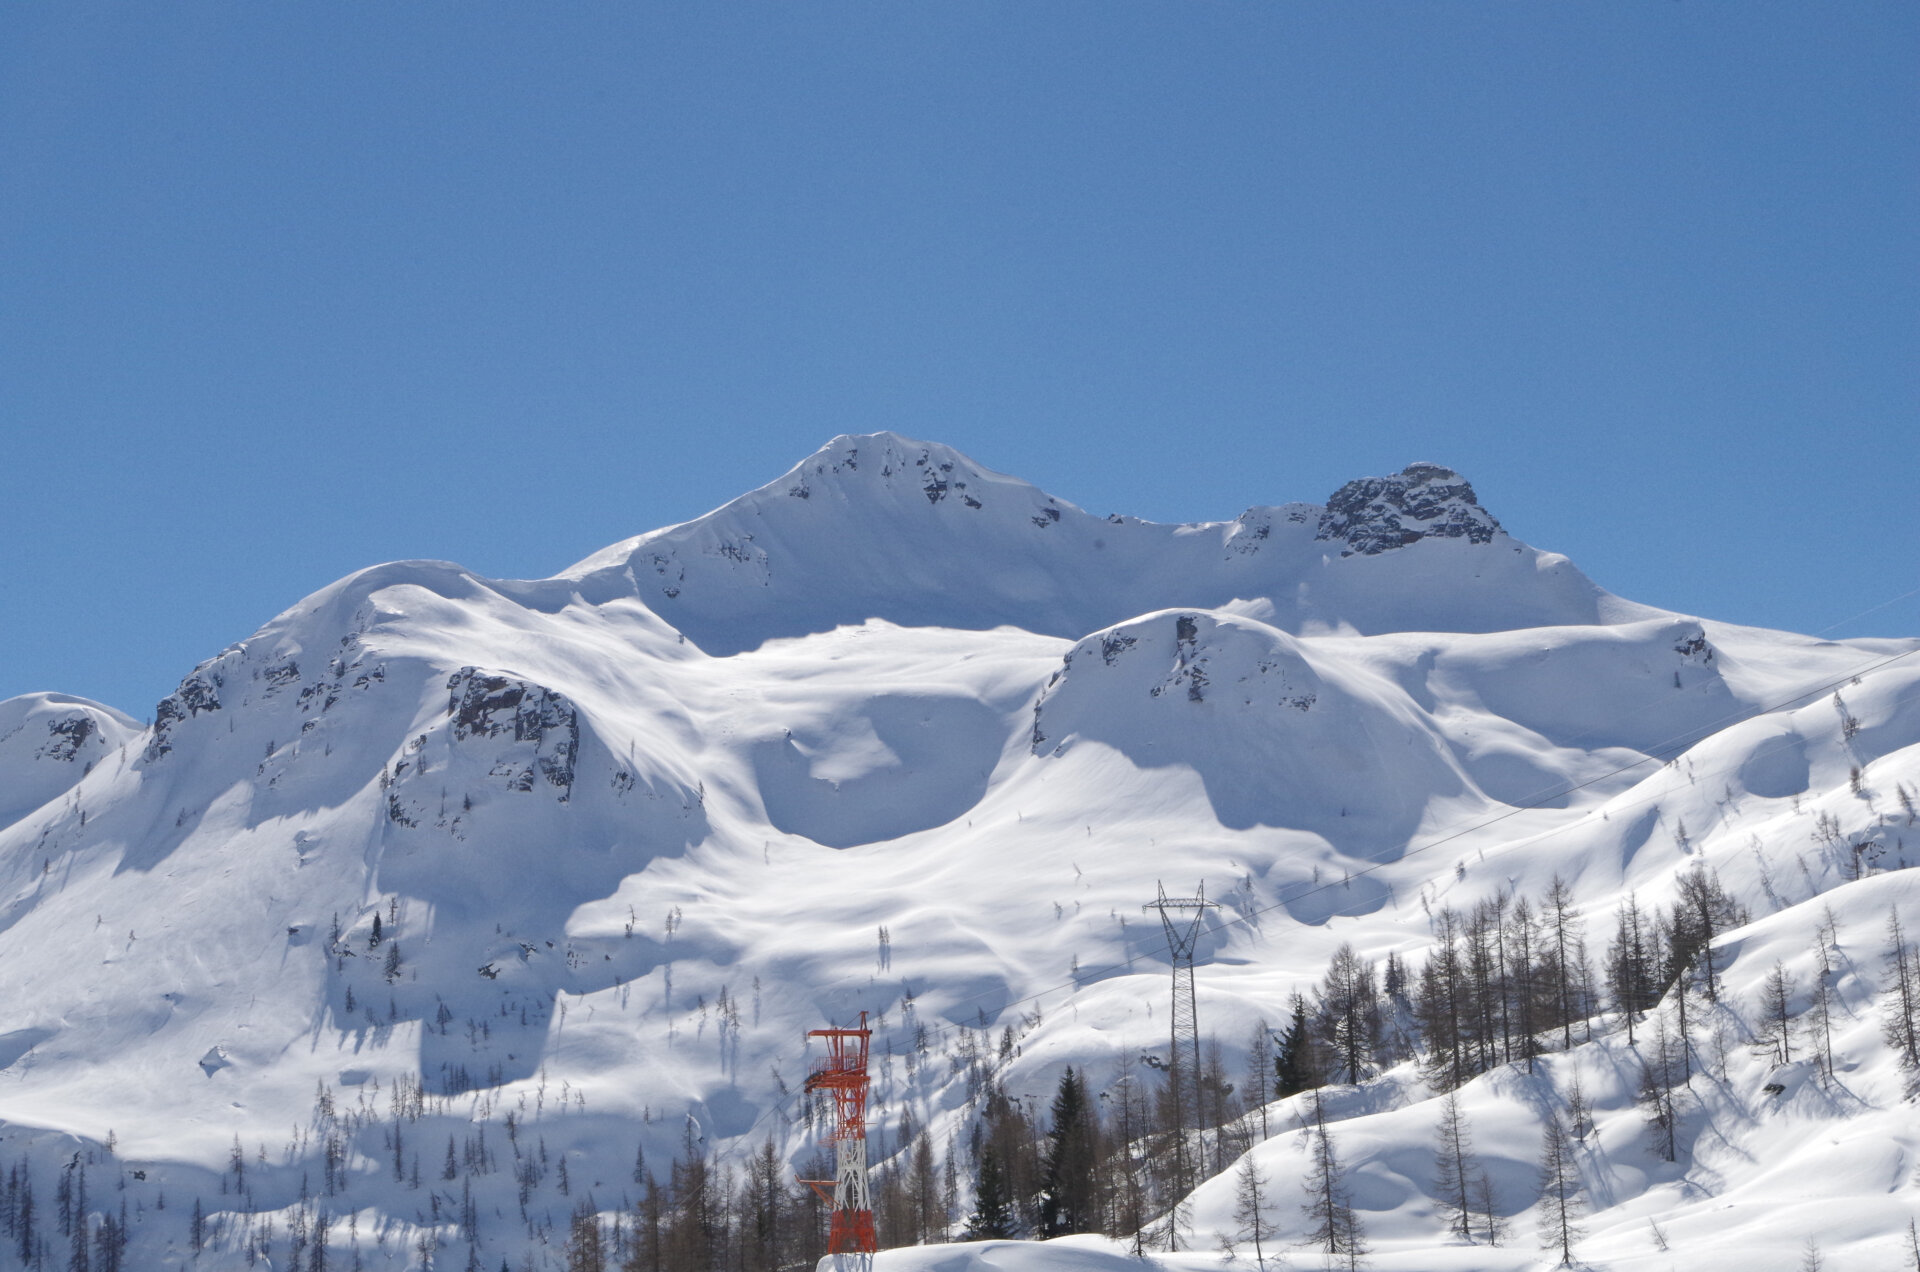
491,706
1379,514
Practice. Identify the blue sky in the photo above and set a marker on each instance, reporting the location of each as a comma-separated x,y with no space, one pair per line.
286,290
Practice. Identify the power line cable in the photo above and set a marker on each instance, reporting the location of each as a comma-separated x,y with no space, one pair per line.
1872,610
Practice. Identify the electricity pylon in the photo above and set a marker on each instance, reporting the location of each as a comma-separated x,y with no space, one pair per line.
1183,1072
851,1238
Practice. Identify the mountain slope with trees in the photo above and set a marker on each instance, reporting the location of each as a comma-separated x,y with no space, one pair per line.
456,921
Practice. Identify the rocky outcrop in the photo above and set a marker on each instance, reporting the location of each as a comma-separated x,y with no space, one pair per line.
1377,514
48,743
1189,664
198,693
67,737
488,706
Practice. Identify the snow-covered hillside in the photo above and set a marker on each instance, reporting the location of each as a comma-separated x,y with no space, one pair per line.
413,918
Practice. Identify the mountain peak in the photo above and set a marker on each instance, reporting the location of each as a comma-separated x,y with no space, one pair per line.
1377,514
886,460
878,525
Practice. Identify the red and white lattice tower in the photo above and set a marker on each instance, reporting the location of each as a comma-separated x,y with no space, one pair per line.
850,1235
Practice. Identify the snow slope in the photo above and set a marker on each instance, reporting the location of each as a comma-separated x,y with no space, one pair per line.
635,828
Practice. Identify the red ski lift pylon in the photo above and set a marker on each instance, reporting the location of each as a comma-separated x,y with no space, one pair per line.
843,1072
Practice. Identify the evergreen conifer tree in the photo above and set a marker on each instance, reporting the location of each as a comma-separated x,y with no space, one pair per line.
992,1216
1067,1199
1294,1069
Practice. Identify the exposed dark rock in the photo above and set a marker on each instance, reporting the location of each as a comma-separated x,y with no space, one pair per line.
1695,646
1186,644
66,736
1250,531
324,695
199,692
395,813
1378,514
488,706
1190,665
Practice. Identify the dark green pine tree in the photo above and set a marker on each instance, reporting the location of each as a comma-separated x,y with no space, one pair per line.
1294,1070
1068,1198
992,1217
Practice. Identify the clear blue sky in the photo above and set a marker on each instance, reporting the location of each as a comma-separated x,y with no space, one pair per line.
289,289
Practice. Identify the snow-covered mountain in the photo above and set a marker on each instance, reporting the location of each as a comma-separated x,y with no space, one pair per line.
881,527
901,735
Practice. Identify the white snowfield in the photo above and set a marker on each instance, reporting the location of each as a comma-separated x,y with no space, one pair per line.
635,828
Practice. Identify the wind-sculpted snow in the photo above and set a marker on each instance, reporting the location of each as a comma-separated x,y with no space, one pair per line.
1279,733
901,735
883,769
1650,686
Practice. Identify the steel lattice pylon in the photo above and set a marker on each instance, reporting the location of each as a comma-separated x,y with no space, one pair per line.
1183,1069
851,1238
